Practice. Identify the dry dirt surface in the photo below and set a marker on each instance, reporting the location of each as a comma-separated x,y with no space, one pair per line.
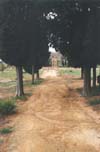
55,119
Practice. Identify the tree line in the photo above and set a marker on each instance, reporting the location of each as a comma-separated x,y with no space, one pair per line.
28,26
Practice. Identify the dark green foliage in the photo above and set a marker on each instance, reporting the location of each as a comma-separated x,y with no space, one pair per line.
95,91
20,31
28,69
22,36
41,58
25,23
94,102
84,37
25,27
7,107
75,31
73,28
6,130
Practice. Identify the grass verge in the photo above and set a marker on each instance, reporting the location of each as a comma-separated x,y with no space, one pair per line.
6,130
94,102
7,107
70,71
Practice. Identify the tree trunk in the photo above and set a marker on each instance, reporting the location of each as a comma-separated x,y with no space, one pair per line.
32,74
19,81
94,77
82,73
37,75
87,81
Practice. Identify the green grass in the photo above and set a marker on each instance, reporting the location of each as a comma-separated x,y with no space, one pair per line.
22,98
94,102
3,66
7,107
76,71
8,84
38,82
70,71
6,130
8,79
1,141
9,73
28,83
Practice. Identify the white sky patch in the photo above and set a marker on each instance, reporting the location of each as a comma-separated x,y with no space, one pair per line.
89,9
51,15
51,49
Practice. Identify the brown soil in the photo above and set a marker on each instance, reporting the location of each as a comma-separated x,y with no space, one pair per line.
55,119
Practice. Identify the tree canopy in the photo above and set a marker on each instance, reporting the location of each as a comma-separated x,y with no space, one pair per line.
20,32
71,26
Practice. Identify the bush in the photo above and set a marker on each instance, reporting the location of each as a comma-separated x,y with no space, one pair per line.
7,107
94,102
6,130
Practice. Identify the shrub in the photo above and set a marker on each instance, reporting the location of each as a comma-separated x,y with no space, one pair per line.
7,107
94,102
6,130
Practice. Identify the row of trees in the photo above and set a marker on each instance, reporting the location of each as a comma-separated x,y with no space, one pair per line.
23,37
76,31
71,26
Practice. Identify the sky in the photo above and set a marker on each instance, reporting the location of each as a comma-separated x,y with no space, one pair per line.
52,49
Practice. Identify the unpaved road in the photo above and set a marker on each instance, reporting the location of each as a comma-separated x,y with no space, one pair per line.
55,120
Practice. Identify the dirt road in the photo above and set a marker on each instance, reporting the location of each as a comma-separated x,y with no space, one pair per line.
55,119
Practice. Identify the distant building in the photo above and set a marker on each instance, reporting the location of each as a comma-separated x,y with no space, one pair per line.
56,59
